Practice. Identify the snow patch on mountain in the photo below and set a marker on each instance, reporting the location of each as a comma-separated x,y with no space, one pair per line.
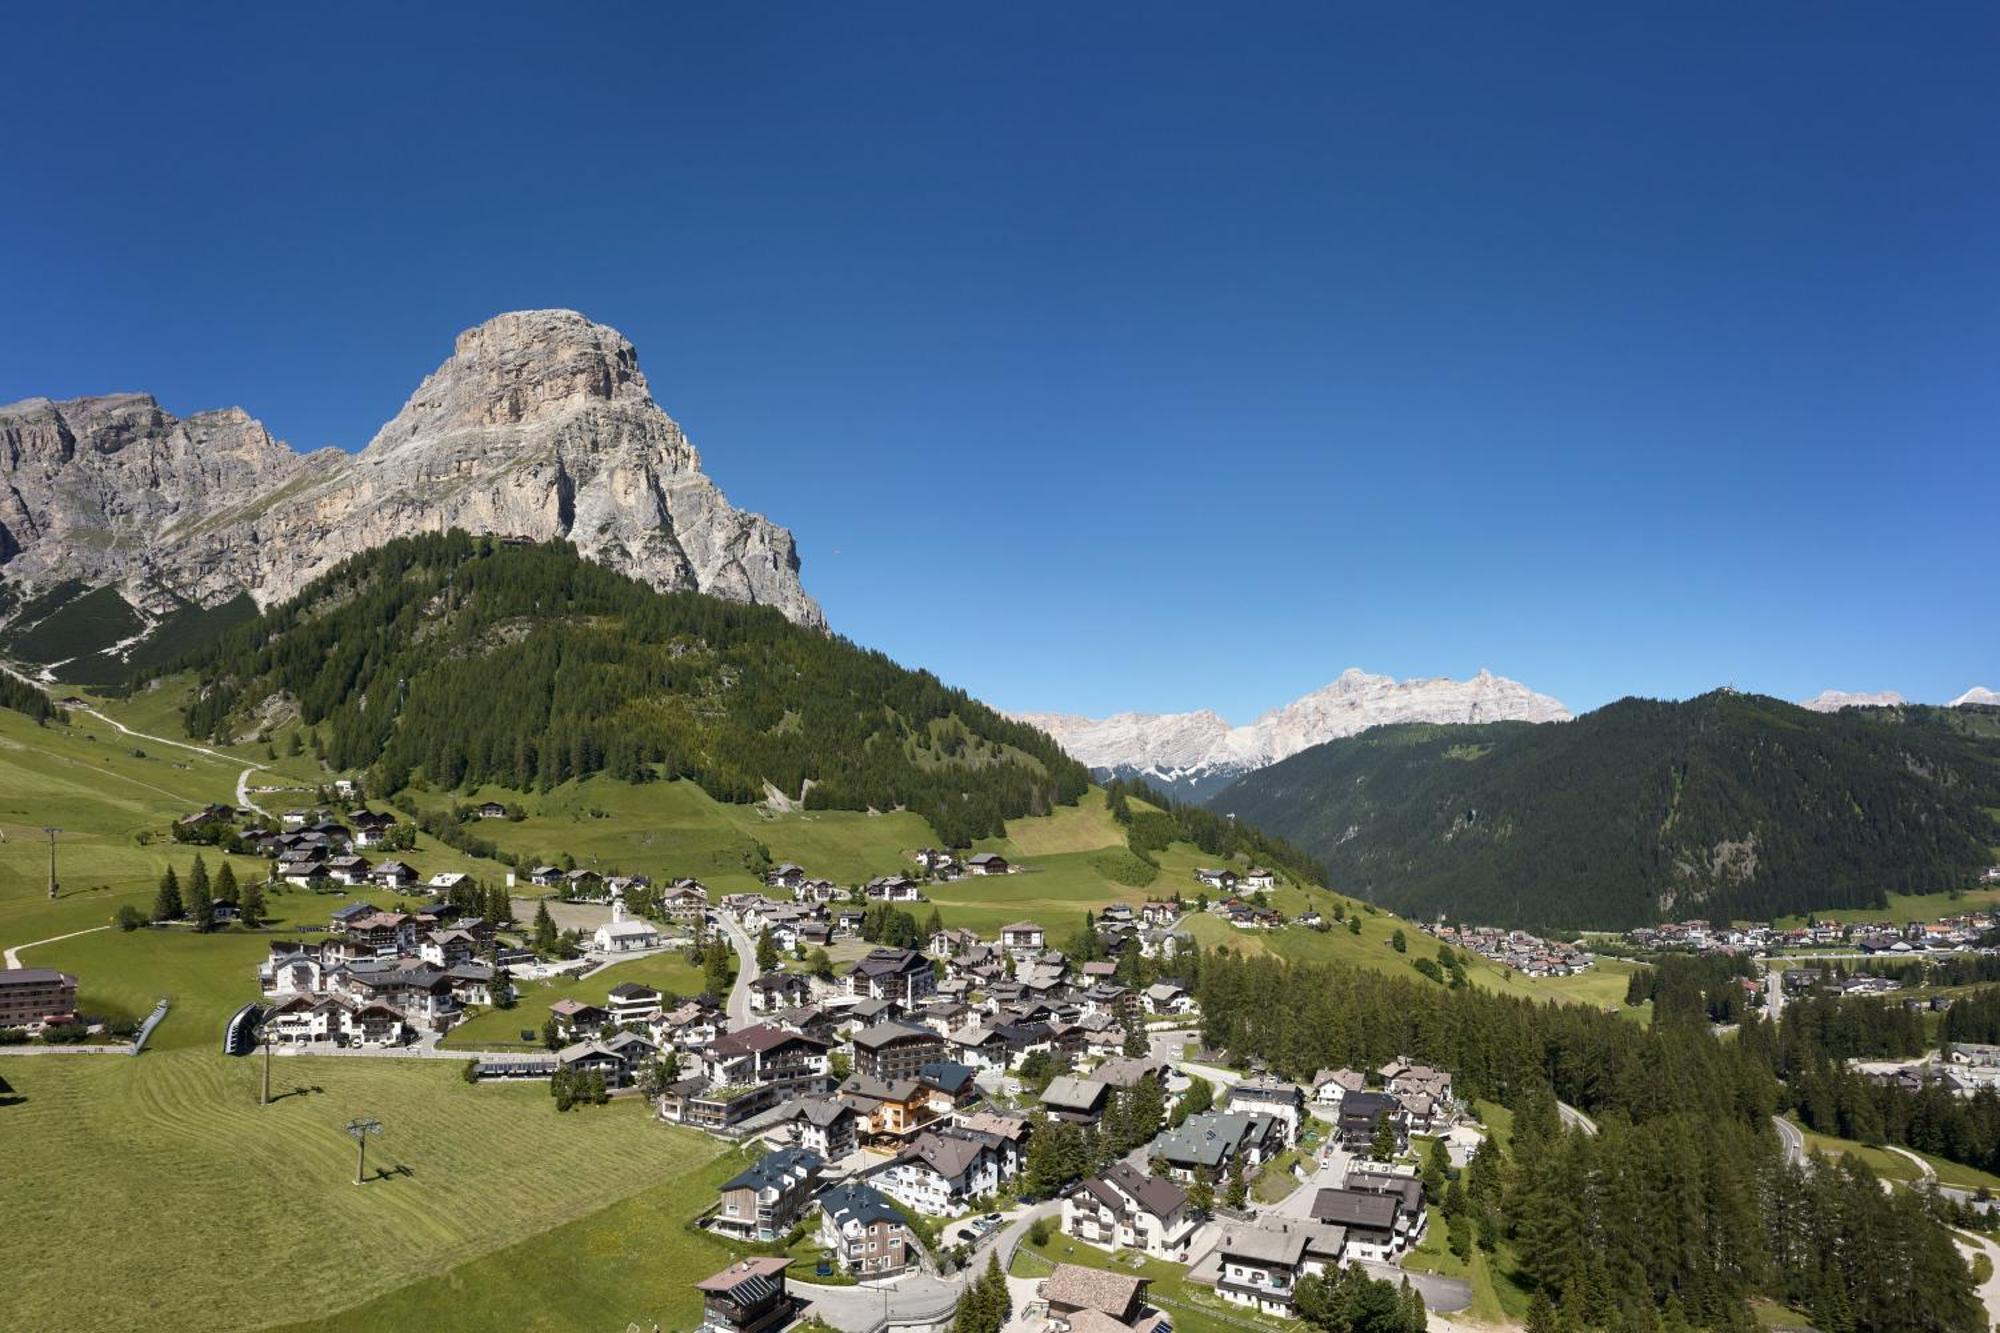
1832,701
1197,753
1978,694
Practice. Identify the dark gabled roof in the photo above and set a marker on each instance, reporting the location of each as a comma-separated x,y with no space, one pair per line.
855,1202
762,1037
632,990
882,1034
27,976
948,1155
774,1169
1356,1208
1157,1196
946,1075
889,963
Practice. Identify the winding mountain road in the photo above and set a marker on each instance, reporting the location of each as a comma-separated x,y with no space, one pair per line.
1793,1140
242,779
1577,1119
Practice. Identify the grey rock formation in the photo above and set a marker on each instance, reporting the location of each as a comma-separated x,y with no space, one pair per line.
540,425
1195,755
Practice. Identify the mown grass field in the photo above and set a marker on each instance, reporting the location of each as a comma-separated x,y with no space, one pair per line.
633,1261
156,1193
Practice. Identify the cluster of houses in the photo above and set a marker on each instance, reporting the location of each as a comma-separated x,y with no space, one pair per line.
752,1296
1951,933
379,977
1530,955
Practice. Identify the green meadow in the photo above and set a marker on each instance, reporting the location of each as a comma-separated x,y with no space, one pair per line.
498,1211
157,1193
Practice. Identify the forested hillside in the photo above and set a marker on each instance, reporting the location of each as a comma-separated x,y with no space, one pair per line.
1673,1214
469,660
1727,805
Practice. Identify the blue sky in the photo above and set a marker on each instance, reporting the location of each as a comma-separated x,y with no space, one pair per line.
1113,357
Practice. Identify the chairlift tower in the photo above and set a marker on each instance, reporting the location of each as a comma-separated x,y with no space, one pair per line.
359,1130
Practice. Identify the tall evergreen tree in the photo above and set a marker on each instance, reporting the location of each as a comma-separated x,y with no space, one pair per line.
250,905
167,905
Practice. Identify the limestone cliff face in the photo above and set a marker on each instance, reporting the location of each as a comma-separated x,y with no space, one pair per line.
539,425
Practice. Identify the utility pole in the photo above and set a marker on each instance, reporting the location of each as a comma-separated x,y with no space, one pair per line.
266,1035
52,831
360,1130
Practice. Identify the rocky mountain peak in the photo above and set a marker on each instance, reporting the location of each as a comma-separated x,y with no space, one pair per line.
1197,753
516,369
1832,701
539,425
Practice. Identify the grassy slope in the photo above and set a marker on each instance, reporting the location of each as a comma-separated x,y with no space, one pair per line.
1886,1164
130,1238
614,1190
634,1261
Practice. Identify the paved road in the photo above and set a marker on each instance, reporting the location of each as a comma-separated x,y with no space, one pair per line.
1443,1295
1989,1291
13,955
1571,1116
920,1296
1792,1138
243,791
746,972
1929,1173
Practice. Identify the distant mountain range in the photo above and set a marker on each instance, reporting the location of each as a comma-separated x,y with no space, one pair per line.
121,524
1195,755
1832,701
1727,805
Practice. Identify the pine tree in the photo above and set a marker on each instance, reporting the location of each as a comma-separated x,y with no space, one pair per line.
198,887
167,904
1542,1316
250,905
767,950
226,889
999,1306
1383,1146
1239,1185
545,928
1437,1170
1201,1193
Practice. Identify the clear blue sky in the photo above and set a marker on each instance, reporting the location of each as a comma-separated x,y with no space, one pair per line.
1149,357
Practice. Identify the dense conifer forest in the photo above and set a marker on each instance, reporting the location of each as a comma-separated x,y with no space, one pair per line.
470,660
1220,836
1727,805
1676,1212
22,697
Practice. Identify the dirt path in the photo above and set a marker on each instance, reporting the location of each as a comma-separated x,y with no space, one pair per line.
13,955
1930,1173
